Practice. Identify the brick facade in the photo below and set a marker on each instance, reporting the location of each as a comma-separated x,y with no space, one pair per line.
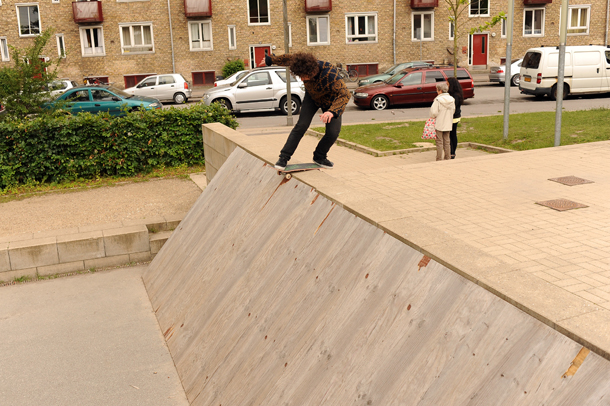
379,54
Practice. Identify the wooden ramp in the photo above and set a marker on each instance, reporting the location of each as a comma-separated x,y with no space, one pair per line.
270,294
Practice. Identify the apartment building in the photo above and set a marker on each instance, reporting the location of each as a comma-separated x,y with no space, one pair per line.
123,41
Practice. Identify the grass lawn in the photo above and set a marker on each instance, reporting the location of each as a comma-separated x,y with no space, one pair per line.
526,131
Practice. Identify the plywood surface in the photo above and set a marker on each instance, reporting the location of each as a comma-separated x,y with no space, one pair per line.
269,294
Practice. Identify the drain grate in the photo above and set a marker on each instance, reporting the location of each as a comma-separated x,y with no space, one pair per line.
562,204
571,180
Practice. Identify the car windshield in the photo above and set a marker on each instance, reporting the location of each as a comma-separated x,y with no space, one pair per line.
392,70
119,92
396,78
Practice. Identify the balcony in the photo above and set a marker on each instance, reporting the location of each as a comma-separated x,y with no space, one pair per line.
316,6
198,8
536,2
425,3
87,12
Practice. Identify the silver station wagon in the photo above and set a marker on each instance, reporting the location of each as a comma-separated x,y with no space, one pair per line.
262,89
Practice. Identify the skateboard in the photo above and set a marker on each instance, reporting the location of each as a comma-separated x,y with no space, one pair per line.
297,168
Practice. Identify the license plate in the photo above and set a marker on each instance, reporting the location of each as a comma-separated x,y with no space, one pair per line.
527,78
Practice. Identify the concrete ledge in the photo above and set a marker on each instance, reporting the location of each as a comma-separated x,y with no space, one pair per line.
78,249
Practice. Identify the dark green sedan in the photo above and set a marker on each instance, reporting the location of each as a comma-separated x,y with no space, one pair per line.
96,99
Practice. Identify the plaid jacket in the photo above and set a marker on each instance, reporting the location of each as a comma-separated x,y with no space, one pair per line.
326,89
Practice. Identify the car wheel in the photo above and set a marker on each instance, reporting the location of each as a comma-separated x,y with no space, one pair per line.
179,98
566,92
515,80
296,105
225,103
380,102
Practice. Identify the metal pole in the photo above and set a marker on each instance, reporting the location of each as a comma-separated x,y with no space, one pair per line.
563,29
507,73
394,33
171,36
286,50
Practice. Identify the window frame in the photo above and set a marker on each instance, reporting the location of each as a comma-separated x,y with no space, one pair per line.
82,30
451,30
579,7
533,11
17,5
61,43
259,15
5,54
470,14
316,17
421,13
503,28
199,24
232,31
131,38
355,17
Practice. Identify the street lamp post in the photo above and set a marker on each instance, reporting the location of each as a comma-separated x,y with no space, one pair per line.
288,92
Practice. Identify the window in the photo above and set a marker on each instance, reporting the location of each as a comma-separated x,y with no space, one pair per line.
578,19
148,82
5,56
101,95
422,26
28,18
166,80
434,76
318,30
61,45
92,41
258,79
451,30
232,37
258,12
55,1
533,22
412,79
361,27
479,8
137,38
503,28
200,35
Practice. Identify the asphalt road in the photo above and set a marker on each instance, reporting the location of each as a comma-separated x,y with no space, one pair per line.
488,100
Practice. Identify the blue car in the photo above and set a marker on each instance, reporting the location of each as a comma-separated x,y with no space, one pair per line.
96,99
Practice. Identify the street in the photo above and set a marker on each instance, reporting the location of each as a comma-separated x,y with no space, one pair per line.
488,100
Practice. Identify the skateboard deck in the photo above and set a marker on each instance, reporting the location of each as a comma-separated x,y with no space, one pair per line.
297,168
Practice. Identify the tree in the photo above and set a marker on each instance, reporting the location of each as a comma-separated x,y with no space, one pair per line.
456,8
24,86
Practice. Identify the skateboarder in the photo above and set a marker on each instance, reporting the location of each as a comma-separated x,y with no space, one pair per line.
325,90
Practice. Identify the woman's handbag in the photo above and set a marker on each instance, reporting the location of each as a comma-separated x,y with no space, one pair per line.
429,130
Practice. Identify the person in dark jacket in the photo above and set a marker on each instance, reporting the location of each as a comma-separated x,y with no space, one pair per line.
455,90
325,90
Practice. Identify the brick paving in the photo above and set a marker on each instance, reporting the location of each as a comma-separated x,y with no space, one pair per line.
553,264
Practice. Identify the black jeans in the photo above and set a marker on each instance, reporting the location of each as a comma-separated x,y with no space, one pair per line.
308,110
453,138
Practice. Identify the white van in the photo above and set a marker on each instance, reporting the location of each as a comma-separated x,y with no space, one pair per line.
587,70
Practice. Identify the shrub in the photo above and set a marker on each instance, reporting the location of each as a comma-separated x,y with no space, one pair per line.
60,147
232,66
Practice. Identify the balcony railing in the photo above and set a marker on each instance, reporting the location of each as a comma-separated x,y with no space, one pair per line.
87,12
198,8
313,6
424,3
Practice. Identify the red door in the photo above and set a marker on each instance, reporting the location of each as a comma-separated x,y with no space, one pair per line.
259,55
479,49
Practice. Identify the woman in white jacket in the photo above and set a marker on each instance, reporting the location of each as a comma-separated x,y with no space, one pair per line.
442,110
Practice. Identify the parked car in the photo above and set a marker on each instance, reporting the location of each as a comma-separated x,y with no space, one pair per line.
261,89
231,79
586,71
391,72
57,87
410,86
96,99
171,86
497,73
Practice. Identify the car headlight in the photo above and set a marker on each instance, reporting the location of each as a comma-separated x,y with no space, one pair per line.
364,82
361,95
154,105
206,96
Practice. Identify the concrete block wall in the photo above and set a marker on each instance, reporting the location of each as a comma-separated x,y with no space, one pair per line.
82,248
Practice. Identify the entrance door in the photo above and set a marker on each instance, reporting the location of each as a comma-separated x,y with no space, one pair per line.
479,49
257,54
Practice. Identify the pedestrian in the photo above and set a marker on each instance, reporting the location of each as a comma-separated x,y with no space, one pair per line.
455,91
442,110
325,90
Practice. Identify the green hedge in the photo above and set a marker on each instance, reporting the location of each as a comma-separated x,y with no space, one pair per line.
58,148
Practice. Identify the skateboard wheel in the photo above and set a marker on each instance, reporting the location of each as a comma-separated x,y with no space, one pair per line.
288,176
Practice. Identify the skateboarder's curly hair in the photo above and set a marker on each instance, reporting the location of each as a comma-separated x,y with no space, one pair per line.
304,64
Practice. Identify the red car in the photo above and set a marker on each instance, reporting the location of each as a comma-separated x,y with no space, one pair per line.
413,85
